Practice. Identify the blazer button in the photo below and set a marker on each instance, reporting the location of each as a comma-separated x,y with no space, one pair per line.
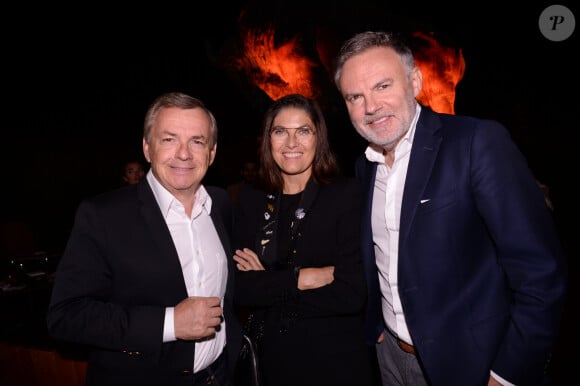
186,372
131,353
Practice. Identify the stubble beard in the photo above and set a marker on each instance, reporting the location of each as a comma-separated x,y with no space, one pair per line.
387,143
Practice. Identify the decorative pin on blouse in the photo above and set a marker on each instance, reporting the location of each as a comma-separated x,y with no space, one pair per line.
300,213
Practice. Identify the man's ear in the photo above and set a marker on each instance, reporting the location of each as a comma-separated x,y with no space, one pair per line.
417,80
146,150
212,153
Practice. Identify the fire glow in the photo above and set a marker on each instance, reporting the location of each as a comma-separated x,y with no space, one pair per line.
276,70
283,69
442,69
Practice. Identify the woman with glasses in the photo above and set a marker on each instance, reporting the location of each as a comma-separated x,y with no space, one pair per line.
299,272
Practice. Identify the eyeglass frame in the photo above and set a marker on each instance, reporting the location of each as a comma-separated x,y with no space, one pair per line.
308,133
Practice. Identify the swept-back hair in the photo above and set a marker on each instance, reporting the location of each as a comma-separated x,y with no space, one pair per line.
370,39
181,101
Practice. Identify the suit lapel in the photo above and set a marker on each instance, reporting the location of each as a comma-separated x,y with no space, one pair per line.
423,154
221,230
368,182
159,232
366,173
223,234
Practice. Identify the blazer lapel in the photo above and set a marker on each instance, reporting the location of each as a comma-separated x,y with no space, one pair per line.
366,173
423,154
159,232
221,230
368,182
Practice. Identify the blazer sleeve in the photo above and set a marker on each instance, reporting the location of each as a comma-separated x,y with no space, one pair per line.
527,249
330,237
114,281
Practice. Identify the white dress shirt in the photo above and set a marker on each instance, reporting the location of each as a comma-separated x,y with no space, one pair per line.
203,261
385,221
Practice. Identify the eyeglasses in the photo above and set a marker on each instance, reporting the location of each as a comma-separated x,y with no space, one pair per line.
302,134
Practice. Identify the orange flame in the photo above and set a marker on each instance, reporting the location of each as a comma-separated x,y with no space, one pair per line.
277,70
282,69
442,69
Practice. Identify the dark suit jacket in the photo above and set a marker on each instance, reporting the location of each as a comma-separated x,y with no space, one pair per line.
481,272
118,272
311,337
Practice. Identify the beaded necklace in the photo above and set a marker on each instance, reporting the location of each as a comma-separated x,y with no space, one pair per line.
267,239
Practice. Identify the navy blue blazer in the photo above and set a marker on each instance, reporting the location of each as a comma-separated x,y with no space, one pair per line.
481,272
118,273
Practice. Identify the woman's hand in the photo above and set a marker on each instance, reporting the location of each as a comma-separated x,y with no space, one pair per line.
312,278
247,260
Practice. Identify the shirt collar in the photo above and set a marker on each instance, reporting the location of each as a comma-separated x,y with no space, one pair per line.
165,199
377,156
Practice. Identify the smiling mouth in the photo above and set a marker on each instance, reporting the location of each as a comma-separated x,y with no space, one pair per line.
377,120
292,155
179,169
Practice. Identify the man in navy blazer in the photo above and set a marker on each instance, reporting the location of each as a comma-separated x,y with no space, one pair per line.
465,271
145,279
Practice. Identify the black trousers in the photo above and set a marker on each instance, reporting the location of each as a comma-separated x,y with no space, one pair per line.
216,374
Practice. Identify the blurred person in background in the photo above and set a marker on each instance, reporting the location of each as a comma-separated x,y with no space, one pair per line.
133,172
248,172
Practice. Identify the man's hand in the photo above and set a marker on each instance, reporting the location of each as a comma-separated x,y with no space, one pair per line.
493,382
197,317
381,337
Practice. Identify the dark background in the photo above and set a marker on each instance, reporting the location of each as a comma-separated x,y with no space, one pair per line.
77,83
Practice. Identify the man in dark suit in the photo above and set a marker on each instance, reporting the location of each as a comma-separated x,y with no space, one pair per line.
144,279
465,272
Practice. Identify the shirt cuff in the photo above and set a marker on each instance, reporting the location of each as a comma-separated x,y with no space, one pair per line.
168,326
501,380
